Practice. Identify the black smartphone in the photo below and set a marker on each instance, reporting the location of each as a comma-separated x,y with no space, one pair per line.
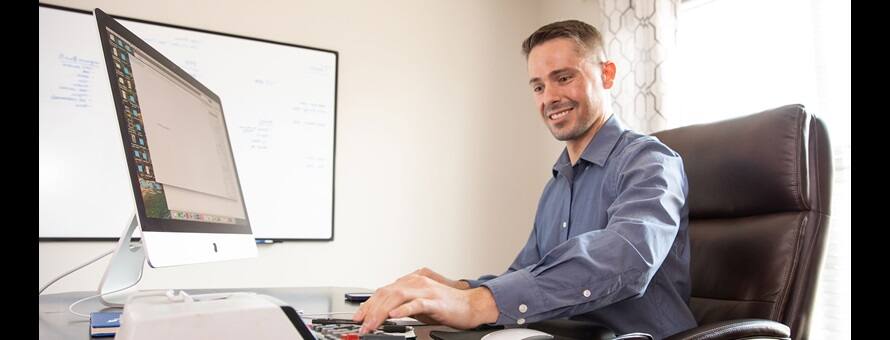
358,297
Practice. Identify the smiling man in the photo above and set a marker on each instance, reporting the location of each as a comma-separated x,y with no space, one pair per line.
609,243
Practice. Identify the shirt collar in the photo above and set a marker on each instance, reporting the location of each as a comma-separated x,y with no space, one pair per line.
599,148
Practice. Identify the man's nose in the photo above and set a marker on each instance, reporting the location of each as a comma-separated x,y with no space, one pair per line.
550,96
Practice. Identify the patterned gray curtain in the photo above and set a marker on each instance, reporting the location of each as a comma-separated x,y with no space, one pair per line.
639,36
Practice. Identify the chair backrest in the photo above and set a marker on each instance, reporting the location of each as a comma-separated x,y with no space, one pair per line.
759,201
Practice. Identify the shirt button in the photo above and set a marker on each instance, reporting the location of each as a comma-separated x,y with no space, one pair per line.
523,308
520,321
586,293
564,224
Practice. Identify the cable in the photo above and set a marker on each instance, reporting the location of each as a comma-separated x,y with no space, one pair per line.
71,306
75,269
169,293
182,296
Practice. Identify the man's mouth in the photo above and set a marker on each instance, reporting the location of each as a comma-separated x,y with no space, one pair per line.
558,115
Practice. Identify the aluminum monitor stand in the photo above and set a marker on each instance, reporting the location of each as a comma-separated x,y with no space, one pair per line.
124,270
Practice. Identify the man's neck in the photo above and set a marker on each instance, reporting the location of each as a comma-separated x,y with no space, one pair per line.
577,146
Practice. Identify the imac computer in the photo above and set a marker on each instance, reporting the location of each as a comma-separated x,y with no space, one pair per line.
188,199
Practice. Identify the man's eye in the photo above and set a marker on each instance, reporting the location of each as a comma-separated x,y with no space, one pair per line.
538,88
564,79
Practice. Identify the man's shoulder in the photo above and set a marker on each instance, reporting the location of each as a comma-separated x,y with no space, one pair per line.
646,156
634,144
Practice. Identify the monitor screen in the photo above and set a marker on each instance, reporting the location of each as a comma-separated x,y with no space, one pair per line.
176,143
175,140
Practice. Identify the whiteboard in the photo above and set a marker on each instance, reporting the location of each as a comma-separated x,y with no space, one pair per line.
279,102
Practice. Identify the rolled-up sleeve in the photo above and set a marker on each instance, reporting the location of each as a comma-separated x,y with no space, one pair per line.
608,265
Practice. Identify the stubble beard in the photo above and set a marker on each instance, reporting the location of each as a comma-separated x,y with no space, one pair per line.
582,125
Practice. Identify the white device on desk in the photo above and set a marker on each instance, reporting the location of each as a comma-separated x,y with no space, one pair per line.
187,195
220,316
517,334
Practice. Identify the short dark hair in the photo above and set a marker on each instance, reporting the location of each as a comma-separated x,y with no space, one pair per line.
587,37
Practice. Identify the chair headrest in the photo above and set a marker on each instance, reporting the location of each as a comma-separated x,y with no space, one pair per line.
756,164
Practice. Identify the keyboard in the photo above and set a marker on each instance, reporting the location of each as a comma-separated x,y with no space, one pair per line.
350,332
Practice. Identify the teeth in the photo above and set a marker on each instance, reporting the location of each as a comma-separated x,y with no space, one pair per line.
555,116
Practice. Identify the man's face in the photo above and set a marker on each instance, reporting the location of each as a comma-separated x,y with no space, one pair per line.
568,89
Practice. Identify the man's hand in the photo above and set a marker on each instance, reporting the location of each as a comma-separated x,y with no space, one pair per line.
422,297
458,284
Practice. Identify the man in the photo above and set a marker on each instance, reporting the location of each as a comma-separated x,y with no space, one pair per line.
609,243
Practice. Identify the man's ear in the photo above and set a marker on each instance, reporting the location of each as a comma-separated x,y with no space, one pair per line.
608,74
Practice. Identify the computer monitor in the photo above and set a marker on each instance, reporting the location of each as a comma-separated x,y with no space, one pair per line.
188,199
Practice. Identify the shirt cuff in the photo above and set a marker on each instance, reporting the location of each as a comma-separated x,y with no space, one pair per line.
516,296
478,282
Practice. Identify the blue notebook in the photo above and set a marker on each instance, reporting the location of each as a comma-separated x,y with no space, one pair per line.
104,324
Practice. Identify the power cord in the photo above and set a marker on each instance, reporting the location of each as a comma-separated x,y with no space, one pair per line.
71,306
57,278
75,269
182,296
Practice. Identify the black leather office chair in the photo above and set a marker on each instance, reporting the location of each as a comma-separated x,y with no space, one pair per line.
759,201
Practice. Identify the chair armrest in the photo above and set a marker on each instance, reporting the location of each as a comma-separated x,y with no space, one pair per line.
736,329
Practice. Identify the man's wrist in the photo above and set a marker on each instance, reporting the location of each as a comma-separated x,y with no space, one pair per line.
462,284
483,305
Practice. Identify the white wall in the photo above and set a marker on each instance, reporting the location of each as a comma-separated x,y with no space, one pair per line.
558,10
441,155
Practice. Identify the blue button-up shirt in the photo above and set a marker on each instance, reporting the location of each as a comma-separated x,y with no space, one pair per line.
609,243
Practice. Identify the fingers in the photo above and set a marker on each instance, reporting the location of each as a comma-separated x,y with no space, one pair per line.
363,308
377,309
413,307
387,298
426,272
422,297
458,284
360,313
